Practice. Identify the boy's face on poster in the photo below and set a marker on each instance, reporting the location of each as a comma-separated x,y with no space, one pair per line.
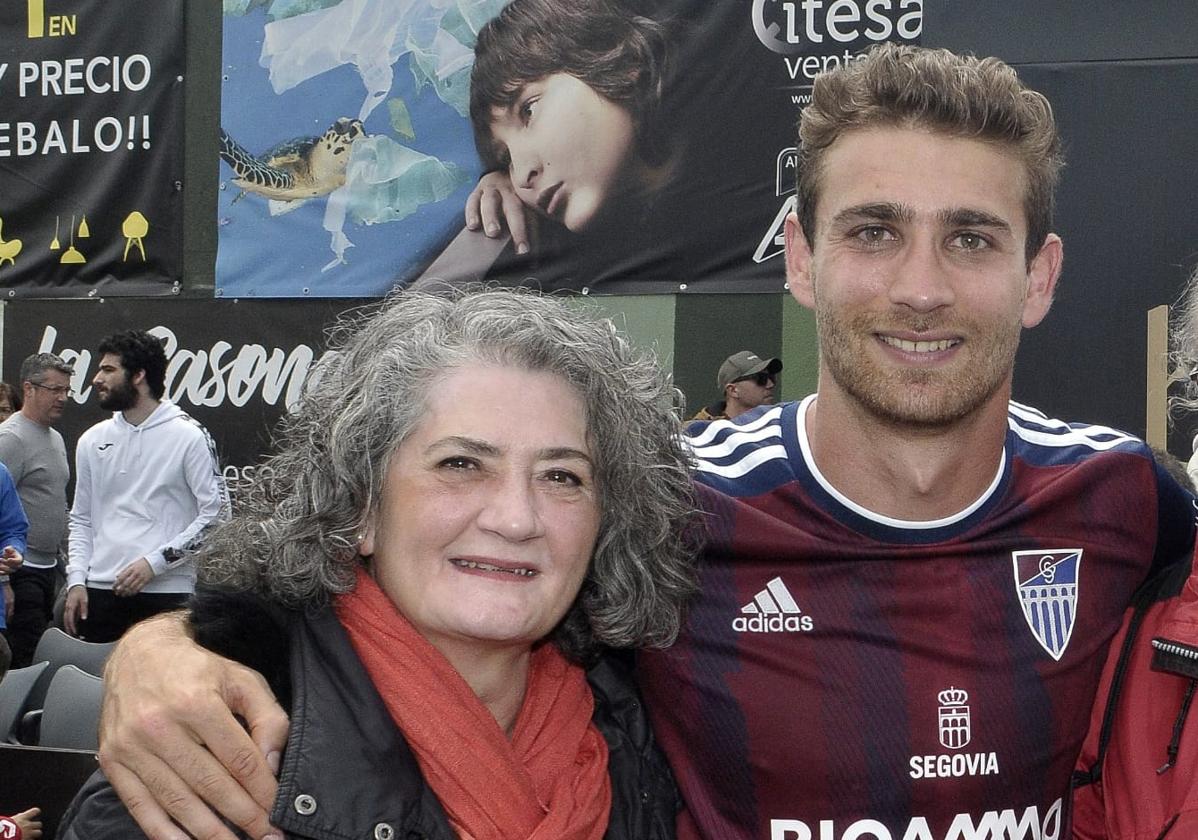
569,149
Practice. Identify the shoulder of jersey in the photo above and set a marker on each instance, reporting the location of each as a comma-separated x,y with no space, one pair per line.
1041,436
751,448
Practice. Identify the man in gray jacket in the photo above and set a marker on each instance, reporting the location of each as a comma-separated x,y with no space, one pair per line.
36,457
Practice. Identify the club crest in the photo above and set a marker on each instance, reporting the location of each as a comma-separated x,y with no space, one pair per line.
1047,585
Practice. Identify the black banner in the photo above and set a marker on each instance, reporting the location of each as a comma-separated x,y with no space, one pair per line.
233,365
91,149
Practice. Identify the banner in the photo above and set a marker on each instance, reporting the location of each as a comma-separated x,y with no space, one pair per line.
91,150
237,386
648,145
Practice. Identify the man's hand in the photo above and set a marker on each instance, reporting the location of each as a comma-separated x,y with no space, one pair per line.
10,560
130,580
494,204
169,741
8,601
75,609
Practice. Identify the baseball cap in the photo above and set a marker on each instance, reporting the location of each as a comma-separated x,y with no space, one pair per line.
744,364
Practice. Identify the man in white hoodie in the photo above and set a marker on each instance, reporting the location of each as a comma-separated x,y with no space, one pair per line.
147,486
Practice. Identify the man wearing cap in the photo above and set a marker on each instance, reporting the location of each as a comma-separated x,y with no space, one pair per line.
746,381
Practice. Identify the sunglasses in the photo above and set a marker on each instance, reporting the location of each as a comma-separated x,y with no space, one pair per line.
760,379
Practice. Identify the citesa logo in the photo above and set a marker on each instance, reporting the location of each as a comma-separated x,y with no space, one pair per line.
794,26
772,610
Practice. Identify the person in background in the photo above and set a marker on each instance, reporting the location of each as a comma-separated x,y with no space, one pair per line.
147,486
36,457
1137,775
481,493
22,826
746,381
9,401
13,529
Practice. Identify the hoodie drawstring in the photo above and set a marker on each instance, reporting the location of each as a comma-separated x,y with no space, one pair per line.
1178,725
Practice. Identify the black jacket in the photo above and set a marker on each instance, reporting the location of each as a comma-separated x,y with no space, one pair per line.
347,772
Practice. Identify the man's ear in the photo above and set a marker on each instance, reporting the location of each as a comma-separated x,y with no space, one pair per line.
798,263
1042,275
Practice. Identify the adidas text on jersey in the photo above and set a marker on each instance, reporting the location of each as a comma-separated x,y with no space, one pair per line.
772,610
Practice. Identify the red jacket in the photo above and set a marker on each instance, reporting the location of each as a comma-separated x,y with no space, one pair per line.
1137,777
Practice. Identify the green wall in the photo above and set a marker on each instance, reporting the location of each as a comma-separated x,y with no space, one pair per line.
693,334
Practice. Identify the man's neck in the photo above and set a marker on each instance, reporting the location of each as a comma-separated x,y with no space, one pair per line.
144,408
903,472
733,408
32,419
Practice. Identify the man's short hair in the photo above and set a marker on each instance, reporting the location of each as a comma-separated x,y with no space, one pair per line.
902,86
138,350
34,368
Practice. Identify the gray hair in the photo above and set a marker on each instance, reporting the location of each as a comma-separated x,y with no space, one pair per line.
34,367
1183,347
295,538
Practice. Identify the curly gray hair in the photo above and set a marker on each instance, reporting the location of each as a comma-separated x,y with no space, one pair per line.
294,541
1183,348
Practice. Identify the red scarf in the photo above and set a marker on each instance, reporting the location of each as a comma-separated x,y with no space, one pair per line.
549,782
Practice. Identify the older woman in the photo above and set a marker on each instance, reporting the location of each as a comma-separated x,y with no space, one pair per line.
479,493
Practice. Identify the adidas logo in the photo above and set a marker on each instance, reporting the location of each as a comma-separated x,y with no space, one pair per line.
772,610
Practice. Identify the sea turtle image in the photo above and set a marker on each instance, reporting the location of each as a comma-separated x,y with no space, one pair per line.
298,169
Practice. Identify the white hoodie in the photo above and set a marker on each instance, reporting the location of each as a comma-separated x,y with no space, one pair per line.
141,491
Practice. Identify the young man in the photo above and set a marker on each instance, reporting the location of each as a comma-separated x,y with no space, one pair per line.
36,457
147,485
911,582
746,381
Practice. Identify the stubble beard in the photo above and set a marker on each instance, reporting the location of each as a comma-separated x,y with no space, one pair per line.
920,398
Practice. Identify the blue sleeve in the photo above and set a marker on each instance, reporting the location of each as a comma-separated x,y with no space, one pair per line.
14,526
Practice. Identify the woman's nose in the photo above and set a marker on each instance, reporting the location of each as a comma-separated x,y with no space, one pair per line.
511,511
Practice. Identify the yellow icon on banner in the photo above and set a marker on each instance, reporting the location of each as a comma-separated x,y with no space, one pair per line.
134,228
37,19
59,25
9,249
72,254
55,245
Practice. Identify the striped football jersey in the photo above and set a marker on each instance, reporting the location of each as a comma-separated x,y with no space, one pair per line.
848,675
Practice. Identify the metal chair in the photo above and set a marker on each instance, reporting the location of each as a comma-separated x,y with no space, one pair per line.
71,715
15,690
